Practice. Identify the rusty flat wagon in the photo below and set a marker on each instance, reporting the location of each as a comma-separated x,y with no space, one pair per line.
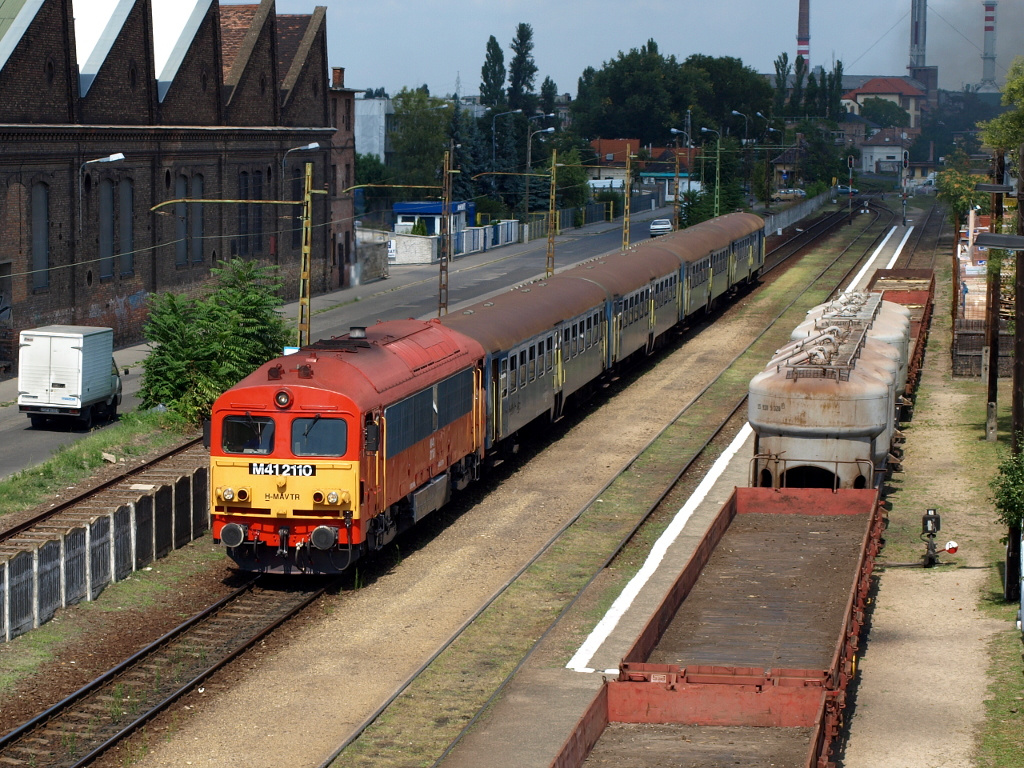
748,658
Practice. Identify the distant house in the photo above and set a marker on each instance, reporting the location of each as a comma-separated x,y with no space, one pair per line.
898,90
883,152
658,165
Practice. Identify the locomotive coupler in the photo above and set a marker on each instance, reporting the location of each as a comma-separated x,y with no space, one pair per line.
282,542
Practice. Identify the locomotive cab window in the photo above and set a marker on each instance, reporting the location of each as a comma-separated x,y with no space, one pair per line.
318,436
247,434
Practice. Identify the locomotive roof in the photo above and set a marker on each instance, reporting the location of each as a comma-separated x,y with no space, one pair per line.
394,359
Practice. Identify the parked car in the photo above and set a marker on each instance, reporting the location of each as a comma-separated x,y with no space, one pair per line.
844,189
784,195
660,227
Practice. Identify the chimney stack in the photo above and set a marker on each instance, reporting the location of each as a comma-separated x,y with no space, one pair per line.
918,32
988,58
803,32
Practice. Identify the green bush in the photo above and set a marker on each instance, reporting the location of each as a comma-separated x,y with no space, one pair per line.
201,347
1008,490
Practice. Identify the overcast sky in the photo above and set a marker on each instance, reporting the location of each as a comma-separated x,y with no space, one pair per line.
395,43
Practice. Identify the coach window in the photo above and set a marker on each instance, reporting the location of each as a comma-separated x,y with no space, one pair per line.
522,368
504,378
317,436
533,362
572,343
512,373
549,359
247,434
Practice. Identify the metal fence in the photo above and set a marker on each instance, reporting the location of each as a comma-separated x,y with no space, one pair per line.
969,338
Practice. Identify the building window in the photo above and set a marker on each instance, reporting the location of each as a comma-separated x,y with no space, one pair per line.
40,235
243,214
126,225
196,224
180,222
348,175
106,229
257,212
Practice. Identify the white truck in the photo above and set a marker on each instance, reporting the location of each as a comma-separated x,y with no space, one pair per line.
68,372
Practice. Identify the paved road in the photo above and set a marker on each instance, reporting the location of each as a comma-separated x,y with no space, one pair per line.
410,291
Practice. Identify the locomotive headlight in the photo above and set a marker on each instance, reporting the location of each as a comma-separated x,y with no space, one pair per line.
332,497
283,398
227,494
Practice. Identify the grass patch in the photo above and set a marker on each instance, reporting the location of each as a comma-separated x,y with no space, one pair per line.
135,434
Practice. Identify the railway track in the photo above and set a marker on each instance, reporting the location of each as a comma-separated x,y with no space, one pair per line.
620,511
179,457
120,690
83,726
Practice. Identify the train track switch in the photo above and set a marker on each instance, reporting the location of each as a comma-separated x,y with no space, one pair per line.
931,524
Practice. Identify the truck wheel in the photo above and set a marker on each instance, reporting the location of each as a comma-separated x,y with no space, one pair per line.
38,422
86,419
112,412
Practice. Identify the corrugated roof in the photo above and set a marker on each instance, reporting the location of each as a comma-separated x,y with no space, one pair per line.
98,53
15,16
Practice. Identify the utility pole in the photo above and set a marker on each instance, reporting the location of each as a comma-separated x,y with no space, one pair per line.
552,212
627,188
446,209
307,239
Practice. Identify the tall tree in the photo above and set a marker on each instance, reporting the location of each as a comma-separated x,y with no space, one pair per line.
782,71
419,140
811,93
521,72
835,107
548,94
1007,130
887,114
370,170
796,99
492,76
734,86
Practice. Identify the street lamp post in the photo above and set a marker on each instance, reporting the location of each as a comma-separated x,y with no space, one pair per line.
529,167
304,148
114,158
675,201
718,163
494,142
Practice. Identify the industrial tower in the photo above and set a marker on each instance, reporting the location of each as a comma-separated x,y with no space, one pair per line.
803,31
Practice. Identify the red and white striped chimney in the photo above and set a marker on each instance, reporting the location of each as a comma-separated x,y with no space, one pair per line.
803,31
988,57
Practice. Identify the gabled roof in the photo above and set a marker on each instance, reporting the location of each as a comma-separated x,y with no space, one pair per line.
235,21
15,16
174,29
892,137
290,30
884,86
94,55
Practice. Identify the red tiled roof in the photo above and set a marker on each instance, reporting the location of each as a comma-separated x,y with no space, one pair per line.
290,30
884,85
235,21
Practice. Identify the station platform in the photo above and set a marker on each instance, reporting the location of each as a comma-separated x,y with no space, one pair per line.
537,712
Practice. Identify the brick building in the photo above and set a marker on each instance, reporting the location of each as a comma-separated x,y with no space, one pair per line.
208,106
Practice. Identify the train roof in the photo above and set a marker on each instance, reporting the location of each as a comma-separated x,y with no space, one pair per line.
394,359
508,318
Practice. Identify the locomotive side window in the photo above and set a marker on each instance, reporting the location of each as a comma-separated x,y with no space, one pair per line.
319,437
247,434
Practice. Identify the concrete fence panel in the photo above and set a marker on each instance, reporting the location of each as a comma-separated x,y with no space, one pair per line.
144,533
163,521
48,592
99,556
75,565
21,593
200,502
124,556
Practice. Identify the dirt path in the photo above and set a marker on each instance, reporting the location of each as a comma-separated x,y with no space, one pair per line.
923,674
